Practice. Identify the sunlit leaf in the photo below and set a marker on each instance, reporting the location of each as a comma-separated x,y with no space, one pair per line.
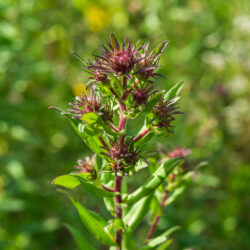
174,91
137,212
160,239
153,182
93,222
80,239
67,181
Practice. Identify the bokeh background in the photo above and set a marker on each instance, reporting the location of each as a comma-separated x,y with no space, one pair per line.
208,50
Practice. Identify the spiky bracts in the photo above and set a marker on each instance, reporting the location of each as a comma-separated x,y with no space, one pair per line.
116,59
150,61
121,153
164,113
141,93
86,167
89,104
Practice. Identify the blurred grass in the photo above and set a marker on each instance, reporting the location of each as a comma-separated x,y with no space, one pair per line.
209,50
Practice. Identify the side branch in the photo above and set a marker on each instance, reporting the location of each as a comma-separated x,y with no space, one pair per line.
157,218
123,119
143,133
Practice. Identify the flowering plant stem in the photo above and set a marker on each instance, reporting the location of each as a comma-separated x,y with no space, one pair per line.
122,88
118,208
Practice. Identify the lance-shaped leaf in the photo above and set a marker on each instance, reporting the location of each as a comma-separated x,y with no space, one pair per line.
93,119
137,212
95,188
175,194
98,124
153,182
152,101
73,180
114,42
67,181
81,242
174,91
141,164
84,131
160,239
95,224
158,51
87,134
147,137
108,181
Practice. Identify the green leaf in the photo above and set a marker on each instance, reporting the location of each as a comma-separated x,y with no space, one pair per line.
67,181
160,239
158,51
98,124
92,119
137,212
118,224
152,101
108,180
145,138
114,42
81,242
153,182
141,164
85,131
175,194
94,188
174,91
93,222
128,241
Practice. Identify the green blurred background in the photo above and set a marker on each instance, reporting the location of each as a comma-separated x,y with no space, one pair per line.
208,50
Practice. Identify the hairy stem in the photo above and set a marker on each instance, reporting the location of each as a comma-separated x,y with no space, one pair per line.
118,209
157,218
143,133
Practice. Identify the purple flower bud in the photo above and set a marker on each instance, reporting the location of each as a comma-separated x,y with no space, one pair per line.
89,104
164,112
121,153
86,166
116,59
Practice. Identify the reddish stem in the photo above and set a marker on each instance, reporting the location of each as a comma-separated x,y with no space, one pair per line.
122,117
108,189
118,209
114,127
114,93
157,218
124,81
103,142
143,133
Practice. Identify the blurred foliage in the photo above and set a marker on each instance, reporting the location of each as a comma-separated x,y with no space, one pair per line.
209,49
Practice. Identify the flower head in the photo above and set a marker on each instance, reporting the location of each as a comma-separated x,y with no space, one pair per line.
86,166
116,59
164,112
142,94
97,71
121,153
179,152
149,61
89,104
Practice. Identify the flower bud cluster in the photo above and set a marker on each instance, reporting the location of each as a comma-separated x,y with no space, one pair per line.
122,87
